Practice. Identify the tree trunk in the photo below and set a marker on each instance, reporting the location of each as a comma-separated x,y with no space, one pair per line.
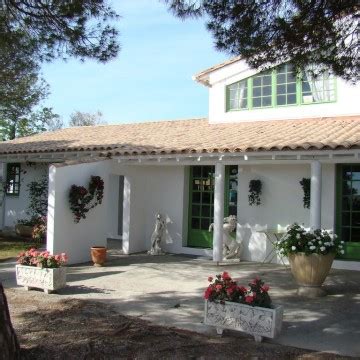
9,346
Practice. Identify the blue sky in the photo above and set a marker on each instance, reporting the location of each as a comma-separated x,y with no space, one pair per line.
150,79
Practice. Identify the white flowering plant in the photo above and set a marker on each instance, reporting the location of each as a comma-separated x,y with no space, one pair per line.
299,240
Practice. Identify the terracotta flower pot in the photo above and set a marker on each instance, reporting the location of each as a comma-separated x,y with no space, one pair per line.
98,255
310,271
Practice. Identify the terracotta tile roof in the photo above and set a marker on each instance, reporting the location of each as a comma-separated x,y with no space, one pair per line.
201,76
196,136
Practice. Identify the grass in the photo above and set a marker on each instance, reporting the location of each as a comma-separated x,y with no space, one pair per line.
10,247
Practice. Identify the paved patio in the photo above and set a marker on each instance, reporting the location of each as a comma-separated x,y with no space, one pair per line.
168,290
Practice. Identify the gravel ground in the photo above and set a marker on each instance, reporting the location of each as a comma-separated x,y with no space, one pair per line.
52,328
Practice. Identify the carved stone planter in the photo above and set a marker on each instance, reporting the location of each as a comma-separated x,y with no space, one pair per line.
47,279
257,321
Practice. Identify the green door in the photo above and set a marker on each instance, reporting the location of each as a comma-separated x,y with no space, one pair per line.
201,202
348,209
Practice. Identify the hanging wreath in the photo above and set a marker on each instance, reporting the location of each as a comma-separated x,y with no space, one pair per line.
82,200
255,187
306,184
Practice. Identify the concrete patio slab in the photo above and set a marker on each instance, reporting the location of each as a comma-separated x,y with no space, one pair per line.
168,290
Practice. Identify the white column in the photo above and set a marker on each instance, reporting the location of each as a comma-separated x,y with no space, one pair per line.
218,212
315,196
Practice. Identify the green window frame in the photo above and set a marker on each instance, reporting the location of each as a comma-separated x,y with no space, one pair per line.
348,208
13,171
279,87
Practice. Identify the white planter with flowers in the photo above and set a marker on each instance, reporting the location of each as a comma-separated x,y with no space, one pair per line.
257,321
233,307
41,270
310,254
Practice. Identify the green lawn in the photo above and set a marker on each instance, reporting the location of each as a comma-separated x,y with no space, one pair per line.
10,247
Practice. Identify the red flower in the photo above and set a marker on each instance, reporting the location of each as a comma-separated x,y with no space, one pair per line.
249,299
208,293
265,288
242,289
210,279
226,276
218,287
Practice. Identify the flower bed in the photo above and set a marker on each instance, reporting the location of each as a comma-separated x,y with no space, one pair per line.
232,306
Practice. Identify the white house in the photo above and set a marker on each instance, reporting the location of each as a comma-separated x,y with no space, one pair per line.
274,126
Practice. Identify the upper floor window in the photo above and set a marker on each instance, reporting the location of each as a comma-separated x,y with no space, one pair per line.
13,179
281,86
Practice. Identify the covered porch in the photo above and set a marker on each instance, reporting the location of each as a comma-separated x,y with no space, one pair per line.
138,187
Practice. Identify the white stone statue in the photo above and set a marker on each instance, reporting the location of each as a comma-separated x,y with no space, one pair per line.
156,237
231,248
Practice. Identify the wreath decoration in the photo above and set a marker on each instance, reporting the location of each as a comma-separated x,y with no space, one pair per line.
82,200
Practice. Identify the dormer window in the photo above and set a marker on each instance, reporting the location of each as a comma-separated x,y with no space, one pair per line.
282,86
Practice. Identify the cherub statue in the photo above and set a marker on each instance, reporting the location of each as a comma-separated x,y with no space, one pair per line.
231,248
157,236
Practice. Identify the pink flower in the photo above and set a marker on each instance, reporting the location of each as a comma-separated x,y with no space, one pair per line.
210,279
249,299
218,287
265,288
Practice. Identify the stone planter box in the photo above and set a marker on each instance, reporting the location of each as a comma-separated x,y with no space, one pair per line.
47,279
257,321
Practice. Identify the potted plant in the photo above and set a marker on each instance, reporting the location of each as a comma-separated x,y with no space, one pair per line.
98,255
41,270
230,306
310,254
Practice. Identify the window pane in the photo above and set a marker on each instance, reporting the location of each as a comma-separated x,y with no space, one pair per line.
346,218
281,89
281,99
196,197
281,78
238,95
205,223
291,99
317,87
355,235
267,101
257,81
205,211
196,210
196,171
345,234
257,102
266,90
266,80
257,92
195,223
355,219
291,88
206,198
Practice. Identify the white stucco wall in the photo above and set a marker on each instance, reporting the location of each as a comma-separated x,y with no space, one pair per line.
281,204
15,207
63,234
149,190
346,102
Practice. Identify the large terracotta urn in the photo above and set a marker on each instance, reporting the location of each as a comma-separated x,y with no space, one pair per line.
310,271
98,255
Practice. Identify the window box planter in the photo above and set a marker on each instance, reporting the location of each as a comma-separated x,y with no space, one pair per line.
48,279
257,321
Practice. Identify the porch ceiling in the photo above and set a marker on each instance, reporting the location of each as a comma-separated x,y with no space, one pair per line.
195,137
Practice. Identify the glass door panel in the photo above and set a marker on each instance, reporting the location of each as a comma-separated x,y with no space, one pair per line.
348,209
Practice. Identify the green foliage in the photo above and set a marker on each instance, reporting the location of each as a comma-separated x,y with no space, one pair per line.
306,184
298,240
266,33
79,118
38,197
52,29
82,200
255,189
